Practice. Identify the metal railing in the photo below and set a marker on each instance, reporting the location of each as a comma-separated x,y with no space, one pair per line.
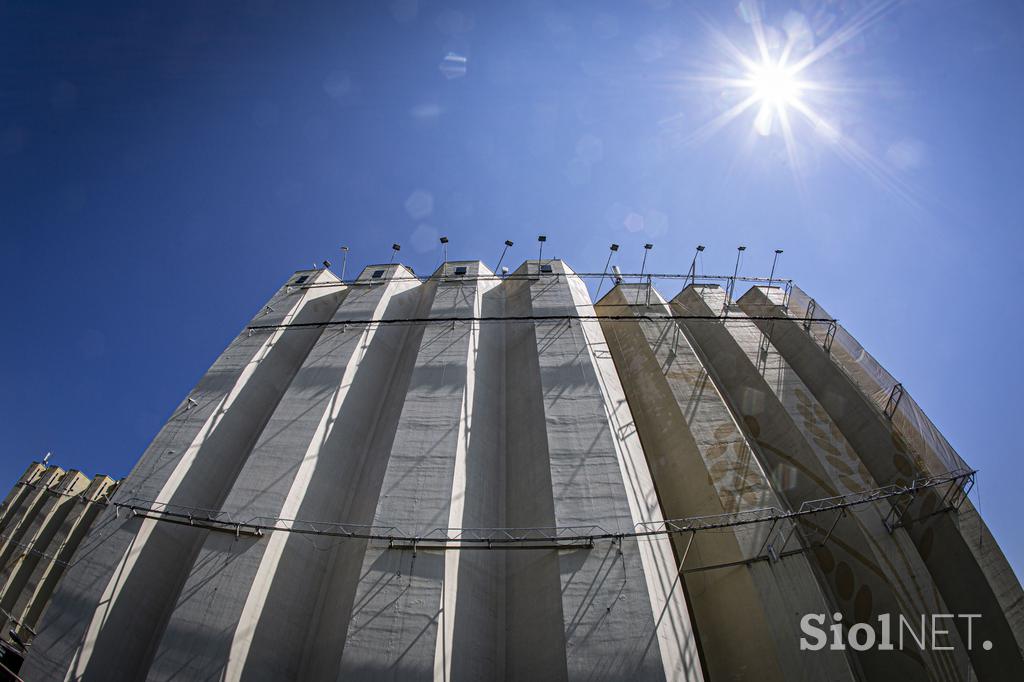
957,484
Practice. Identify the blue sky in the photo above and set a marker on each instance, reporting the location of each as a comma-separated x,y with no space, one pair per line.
165,167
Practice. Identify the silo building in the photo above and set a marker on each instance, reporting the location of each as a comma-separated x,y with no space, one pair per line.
470,476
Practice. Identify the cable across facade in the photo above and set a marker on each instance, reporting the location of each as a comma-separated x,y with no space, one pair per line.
956,486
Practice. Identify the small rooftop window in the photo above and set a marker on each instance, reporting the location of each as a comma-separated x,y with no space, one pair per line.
460,270
377,274
546,268
302,279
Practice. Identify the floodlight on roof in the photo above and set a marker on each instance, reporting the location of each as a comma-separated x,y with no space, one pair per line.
647,247
611,252
508,243
735,271
775,260
692,273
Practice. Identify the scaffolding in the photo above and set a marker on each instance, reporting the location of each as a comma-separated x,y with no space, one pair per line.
888,395
441,319
953,486
955,483
640,277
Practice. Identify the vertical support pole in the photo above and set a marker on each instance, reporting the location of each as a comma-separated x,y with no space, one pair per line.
775,260
611,252
692,274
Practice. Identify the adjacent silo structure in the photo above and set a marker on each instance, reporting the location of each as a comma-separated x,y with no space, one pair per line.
43,521
468,476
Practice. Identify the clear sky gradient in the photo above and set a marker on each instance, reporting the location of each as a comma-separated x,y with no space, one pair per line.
165,166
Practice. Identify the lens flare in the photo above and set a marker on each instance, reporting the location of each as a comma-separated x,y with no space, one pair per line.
776,88
774,84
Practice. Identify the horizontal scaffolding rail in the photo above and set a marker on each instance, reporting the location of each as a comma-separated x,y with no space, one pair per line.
521,318
29,548
638,276
956,484
102,499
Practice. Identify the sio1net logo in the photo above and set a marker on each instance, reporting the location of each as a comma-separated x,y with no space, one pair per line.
931,633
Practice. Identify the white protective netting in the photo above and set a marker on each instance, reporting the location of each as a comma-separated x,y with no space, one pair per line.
932,450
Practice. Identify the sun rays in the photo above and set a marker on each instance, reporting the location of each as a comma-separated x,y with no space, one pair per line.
776,89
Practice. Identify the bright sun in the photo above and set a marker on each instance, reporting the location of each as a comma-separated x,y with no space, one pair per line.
776,88
774,84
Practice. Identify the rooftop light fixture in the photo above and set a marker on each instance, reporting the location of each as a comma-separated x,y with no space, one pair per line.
611,251
774,261
508,243
735,271
693,264
647,247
